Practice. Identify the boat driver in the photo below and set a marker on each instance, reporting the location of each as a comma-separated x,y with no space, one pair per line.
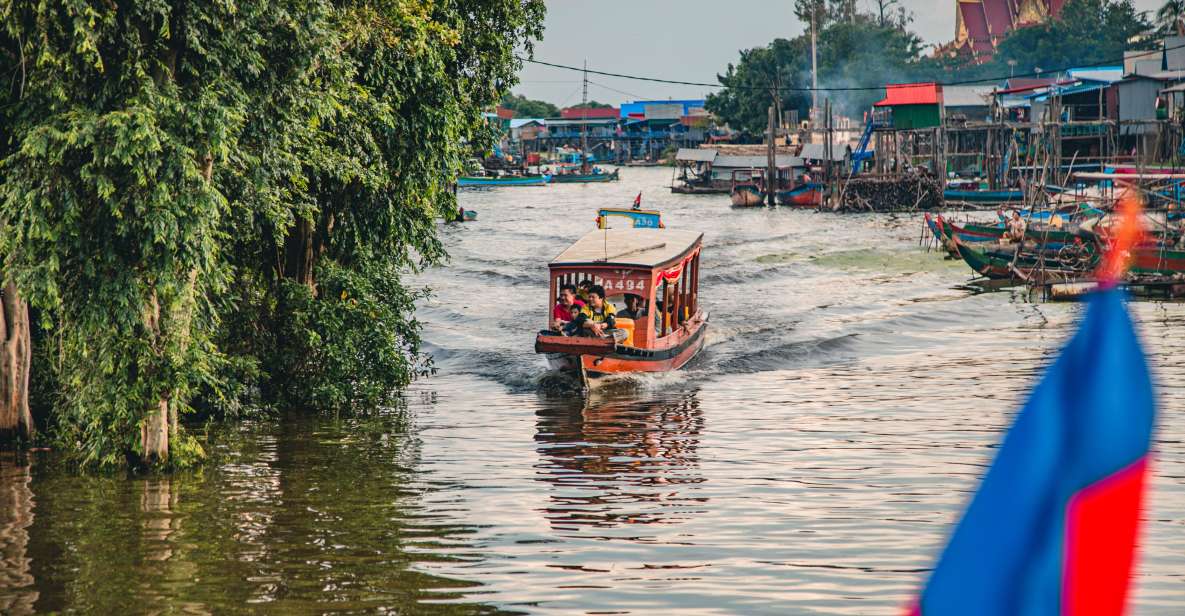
633,307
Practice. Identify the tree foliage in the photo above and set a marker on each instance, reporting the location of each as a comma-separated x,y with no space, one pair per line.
524,107
216,202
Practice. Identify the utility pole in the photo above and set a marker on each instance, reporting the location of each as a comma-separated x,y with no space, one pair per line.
584,123
814,65
771,167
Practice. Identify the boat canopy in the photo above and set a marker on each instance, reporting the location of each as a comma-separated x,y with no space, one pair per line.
631,247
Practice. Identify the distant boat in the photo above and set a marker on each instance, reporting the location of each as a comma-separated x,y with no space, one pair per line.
505,180
584,178
747,195
983,196
809,194
746,191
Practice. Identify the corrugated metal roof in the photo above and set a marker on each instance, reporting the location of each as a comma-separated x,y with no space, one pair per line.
696,155
754,162
580,113
521,122
911,94
590,121
817,151
1103,74
966,96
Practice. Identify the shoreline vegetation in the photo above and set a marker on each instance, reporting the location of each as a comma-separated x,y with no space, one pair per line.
207,210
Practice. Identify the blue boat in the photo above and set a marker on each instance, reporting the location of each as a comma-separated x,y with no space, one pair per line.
636,219
984,196
506,180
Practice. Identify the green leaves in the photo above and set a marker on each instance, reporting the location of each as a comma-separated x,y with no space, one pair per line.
187,190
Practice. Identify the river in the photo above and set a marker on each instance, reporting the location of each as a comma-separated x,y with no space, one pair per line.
810,461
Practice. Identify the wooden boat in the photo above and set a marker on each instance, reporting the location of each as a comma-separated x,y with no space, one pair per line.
1025,263
983,196
504,180
584,178
747,189
659,265
809,194
637,219
747,195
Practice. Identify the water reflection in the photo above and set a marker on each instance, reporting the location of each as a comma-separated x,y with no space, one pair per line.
614,461
17,594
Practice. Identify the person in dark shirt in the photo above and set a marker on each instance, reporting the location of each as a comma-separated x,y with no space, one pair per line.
633,307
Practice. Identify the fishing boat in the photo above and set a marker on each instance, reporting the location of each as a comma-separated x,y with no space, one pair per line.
609,218
584,178
809,194
1028,264
746,190
503,180
661,266
994,197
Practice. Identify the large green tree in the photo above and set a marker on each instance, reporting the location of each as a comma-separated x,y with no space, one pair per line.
215,202
524,107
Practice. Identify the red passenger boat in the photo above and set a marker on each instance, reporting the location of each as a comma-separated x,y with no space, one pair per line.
659,266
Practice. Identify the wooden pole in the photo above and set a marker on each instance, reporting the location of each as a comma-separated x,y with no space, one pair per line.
771,171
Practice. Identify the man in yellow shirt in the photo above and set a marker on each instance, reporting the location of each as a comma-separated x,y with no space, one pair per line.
598,315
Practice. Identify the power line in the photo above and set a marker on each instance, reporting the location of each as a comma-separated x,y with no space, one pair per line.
823,89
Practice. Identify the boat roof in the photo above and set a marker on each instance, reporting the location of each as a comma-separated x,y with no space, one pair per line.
634,247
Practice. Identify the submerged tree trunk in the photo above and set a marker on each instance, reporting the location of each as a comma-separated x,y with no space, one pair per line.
16,354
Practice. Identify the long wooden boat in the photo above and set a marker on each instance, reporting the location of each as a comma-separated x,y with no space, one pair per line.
661,266
584,178
1026,264
984,196
804,195
505,180
637,219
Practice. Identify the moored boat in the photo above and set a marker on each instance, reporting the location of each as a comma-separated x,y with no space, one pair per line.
504,180
584,178
661,267
746,195
809,194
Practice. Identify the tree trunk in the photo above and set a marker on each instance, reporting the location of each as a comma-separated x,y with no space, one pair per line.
16,354
154,430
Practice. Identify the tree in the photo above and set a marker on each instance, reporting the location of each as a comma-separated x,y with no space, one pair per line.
215,202
1170,18
753,84
524,107
1088,32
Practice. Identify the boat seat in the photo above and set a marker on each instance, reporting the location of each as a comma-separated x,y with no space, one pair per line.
627,326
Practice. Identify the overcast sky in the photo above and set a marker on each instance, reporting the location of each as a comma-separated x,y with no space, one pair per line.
683,40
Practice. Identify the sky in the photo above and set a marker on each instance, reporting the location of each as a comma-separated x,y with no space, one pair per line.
681,40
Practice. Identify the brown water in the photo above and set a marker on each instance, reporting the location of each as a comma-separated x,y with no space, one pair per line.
811,460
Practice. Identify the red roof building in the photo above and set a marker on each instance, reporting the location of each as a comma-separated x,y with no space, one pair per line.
590,113
911,94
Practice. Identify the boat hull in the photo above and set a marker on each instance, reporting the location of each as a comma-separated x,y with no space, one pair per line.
466,182
595,359
746,196
807,195
585,178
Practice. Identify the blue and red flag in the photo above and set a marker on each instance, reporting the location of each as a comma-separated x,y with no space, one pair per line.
1053,527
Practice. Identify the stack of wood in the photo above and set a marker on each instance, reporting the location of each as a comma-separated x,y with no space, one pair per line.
910,193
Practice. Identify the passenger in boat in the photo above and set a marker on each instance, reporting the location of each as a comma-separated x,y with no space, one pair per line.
583,288
598,315
1016,227
633,307
567,308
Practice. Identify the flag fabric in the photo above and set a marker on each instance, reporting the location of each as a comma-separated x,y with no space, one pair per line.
638,201
1053,527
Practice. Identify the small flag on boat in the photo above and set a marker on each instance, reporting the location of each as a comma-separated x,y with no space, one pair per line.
638,201
1054,524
